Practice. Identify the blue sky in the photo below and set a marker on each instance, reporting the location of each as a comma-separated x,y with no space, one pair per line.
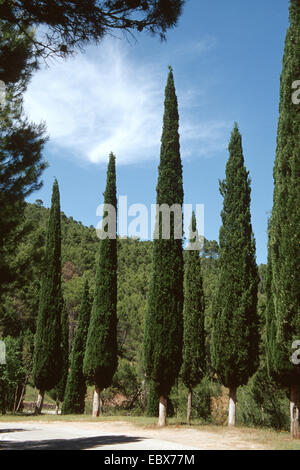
226,57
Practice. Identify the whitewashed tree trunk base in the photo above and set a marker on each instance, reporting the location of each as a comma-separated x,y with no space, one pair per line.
96,403
162,418
39,403
232,406
295,411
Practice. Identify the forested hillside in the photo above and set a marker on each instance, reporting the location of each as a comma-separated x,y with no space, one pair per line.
79,253
79,256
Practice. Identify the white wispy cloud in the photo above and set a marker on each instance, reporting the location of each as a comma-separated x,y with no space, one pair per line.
204,138
105,101
197,47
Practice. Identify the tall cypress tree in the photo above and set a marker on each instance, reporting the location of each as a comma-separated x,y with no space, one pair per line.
100,359
76,383
47,363
152,400
58,392
193,367
234,342
283,312
163,323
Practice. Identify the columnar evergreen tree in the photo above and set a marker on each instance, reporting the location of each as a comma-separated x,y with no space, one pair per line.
76,383
100,359
193,367
58,392
47,363
283,312
164,323
234,342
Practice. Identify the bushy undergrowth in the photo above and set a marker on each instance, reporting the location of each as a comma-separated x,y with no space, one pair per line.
262,403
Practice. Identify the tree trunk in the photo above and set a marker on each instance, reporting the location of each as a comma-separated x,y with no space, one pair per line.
232,406
295,411
96,402
20,404
189,407
15,400
162,419
57,407
39,403
101,408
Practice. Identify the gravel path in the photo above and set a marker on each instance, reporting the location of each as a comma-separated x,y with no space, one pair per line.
113,436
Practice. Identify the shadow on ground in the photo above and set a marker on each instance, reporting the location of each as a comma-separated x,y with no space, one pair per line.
4,431
68,444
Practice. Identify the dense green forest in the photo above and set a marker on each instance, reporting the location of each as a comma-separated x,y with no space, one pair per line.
79,257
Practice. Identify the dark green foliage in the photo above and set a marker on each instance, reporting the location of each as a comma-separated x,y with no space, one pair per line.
202,397
193,367
19,306
263,403
283,306
16,55
125,379
48,359
134,269
210,249
270,329
100,359
126,382
58,392
164,323
234,342
170,408
15,374
78,246
69,25
76,384
12,375
21,145
126,394
152,400
65,353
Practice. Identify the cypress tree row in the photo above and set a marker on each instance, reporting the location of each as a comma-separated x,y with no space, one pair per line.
76,383
48,358
100,359
163,322
58,392
193,367
283,312
234,341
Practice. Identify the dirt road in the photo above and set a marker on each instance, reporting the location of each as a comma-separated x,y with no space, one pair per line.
115,436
